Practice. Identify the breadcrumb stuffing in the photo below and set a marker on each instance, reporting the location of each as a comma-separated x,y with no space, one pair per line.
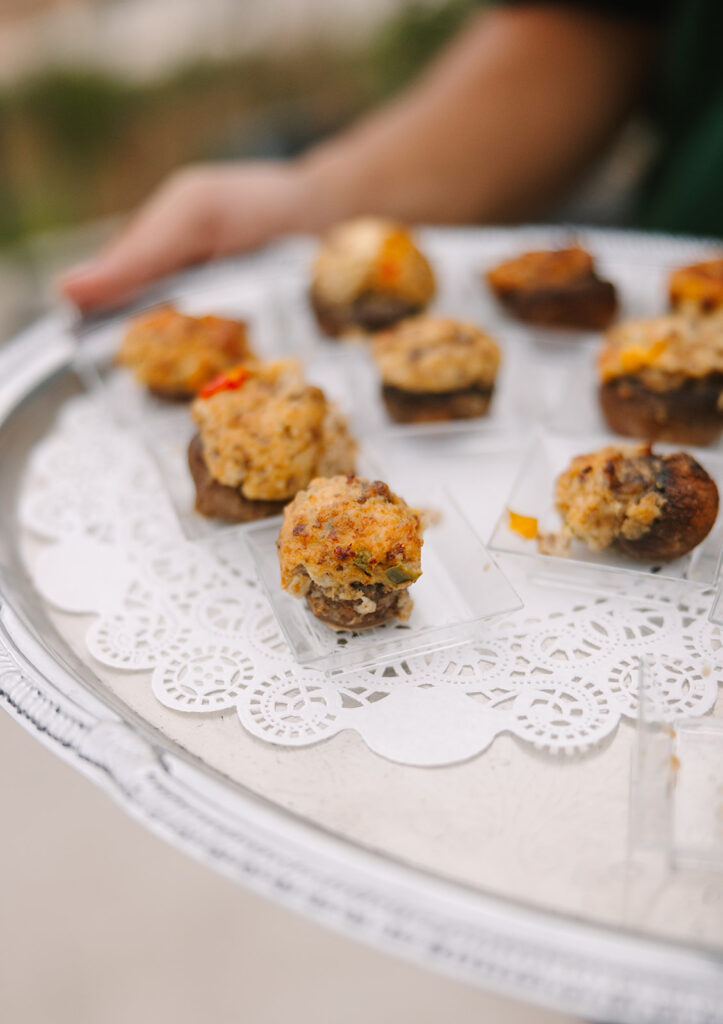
608,494
346,532
436,354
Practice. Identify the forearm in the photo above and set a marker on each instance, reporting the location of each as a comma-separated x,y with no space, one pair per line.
503,122
506,118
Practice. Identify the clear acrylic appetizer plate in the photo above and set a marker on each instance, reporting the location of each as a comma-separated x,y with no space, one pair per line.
532,495
517,399
458,294
167,436
677,779
578,409
675,806
474,466
166,427
459,588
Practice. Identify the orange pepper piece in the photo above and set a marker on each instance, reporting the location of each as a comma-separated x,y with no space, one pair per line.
635,357
389,270
526,526
394,250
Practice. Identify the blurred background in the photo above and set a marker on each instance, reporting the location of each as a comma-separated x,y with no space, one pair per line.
100,99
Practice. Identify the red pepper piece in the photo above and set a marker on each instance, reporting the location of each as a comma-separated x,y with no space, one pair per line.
229,381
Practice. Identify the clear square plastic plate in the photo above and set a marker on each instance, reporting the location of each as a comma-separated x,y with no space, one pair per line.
475,467
459,588
165,427
167,439
676,799
516,401
533,495
576,409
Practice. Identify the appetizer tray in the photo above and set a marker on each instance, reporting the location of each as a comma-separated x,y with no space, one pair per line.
533,809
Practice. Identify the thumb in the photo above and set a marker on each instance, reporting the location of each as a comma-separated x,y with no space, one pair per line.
92,285
173,230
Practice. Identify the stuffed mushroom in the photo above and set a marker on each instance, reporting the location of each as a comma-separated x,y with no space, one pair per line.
175,355
555,288
661,378
651,507
369,274
434,368
352,549
263,434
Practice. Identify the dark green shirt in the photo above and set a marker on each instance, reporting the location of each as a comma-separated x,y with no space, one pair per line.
684,190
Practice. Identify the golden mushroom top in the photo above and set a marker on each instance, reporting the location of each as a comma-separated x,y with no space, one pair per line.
371,254
663,350
177,354
698,287
346,530
267,431
541,268
436,354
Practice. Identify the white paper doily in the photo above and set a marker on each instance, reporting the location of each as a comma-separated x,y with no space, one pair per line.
560,674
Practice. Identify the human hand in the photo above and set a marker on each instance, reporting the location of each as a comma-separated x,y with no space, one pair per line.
198,213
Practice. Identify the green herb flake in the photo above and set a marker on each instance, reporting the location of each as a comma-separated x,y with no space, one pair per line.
398,574
362,558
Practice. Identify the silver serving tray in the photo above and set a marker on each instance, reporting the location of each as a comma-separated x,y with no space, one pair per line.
560,962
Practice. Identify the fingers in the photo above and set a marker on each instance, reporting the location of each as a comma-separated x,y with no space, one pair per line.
175,228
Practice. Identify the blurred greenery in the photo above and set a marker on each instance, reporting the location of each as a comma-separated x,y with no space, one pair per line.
407,41
81,111
81,144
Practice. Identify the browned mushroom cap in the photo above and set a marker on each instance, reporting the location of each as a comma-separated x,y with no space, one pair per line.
219,501
690,510
687,414
555,288
345,614
370,311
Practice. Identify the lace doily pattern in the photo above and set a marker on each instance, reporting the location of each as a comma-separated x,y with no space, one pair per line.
190,618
